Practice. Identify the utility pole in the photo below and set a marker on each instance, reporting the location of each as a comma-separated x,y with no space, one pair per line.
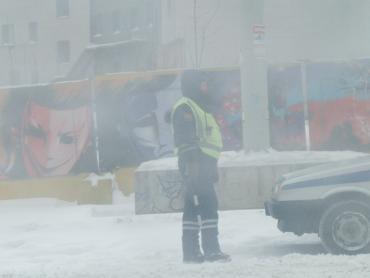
253,67
195,25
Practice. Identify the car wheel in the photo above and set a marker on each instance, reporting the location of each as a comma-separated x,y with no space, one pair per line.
345,228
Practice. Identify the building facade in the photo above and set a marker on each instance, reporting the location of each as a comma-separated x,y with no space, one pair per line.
213,31
44,40
41,39
210,31
124,35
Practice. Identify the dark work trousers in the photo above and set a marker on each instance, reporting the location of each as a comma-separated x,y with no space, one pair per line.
203,187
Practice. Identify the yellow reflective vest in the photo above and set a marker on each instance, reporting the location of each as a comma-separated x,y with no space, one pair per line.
207,130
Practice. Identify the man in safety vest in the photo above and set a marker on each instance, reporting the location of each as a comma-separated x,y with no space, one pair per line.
199,144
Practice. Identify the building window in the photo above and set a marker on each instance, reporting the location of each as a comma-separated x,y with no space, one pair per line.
150,10
134,20
33,30
126,22
116,22
7,34
62,8
63,52
14,77
34,76
169,7
96,25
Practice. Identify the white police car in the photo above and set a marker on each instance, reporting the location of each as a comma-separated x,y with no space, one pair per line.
332,200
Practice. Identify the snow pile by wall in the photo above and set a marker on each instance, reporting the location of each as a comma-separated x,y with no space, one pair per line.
246,180
270,157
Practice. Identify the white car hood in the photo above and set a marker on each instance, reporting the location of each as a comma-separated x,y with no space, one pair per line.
340,168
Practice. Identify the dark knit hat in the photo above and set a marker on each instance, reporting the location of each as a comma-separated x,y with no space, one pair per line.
191,81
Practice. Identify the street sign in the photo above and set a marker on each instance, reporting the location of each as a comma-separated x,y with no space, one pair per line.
259,35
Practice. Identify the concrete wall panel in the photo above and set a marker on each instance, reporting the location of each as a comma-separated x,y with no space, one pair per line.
161,191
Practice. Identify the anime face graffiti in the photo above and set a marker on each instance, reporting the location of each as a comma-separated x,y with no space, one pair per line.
53,140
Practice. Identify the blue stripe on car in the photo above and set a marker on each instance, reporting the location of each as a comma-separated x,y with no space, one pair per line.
362,176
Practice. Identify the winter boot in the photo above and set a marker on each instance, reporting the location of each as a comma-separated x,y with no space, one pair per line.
193,258
217,257
211,246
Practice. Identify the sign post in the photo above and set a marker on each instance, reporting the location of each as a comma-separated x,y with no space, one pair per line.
253,69
259,40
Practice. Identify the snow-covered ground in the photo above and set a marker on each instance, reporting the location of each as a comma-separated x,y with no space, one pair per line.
50,238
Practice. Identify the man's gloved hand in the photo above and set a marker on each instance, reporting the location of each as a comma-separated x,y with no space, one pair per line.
193,162
191,174
192,170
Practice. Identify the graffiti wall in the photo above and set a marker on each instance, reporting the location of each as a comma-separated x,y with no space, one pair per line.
112,122
46,131
338,106
122,120
141,108
286,108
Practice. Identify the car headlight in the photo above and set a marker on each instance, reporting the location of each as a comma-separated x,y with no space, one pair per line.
278,185
277,188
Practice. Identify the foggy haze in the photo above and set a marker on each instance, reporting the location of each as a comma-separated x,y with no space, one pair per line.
90,180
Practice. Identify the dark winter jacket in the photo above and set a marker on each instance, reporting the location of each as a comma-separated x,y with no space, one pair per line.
185,133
